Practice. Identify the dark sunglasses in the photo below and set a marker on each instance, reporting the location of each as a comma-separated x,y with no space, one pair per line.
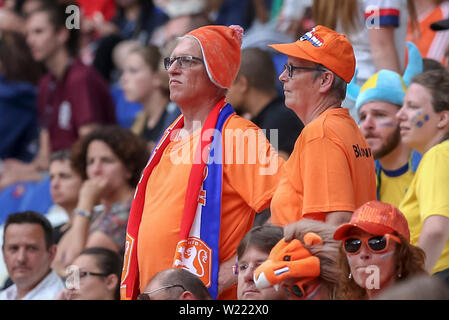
146,295
377,244
290,68
183,61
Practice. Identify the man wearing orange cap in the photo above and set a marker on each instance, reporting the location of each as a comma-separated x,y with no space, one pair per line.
331,170
200,190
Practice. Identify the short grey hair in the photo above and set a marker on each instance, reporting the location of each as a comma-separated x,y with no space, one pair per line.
338,88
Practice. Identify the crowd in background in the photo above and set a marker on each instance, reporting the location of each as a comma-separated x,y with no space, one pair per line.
85,99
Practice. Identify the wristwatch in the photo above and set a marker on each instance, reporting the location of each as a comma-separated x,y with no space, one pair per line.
84,213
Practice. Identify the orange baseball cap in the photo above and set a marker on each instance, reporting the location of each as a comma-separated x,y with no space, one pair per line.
324,46
377,218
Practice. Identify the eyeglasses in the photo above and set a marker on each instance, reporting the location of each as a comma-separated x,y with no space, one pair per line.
290,68
146,295
242,267
376,244
183,61
83,274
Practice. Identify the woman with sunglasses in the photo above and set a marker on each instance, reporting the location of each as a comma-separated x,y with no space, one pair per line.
94,275
376,252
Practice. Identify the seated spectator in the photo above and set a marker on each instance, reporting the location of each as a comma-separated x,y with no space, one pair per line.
175,284
308,253
254,92
252,251
28,250
110,160
376,252
421,287
141,82
65,185
424,123
95,275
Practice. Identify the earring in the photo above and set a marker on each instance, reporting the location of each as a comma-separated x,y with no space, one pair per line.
350,275
399,275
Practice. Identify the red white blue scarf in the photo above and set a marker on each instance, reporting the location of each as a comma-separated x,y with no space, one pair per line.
197,249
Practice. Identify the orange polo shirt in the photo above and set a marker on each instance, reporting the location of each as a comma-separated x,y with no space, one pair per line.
331,169
245,191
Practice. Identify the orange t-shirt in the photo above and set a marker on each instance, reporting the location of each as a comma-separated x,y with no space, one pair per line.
244,192
331,169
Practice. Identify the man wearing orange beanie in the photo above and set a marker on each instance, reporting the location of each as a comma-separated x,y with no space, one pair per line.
200,190
331,170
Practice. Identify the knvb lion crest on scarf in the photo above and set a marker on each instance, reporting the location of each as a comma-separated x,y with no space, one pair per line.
195,255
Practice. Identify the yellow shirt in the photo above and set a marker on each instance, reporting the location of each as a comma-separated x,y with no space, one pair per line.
428,195
393,185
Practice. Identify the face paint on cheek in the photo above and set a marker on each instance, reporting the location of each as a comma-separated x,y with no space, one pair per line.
386,255
420,119
387,124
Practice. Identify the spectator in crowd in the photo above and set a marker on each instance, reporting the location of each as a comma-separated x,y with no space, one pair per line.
19,75
175,284
65,185
331,170
379,100
252,251
109,160
202,66
424,123
422,287
254,92
430,43
308,254
73,98
141,82
134,20
28,250
125,111
376,252
378,36
95,275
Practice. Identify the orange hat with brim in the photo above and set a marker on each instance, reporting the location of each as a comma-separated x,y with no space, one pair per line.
377,218
326,47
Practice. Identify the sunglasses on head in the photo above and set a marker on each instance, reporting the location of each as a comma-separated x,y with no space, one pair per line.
376,244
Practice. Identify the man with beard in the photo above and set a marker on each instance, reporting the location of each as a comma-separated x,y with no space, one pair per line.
377,103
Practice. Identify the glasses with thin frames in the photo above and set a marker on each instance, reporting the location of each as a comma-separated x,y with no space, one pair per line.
183,61
376,244
84,274
290,68
146,295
